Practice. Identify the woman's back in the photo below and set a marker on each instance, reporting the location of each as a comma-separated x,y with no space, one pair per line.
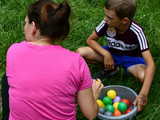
45,81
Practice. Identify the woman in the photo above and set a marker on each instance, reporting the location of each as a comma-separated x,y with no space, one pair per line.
46,81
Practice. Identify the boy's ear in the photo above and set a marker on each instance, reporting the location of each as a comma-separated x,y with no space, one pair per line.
125,20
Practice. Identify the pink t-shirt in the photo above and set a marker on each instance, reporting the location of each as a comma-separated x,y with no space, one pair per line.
44,81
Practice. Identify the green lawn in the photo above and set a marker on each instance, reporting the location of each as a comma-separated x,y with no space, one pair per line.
86,14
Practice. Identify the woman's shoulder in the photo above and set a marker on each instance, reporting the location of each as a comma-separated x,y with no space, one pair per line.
72,55
15,45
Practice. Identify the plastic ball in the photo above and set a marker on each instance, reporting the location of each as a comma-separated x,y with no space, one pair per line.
100,103
117,113
111,94
109,108
108,113
107,100
117,99
122,106
102,110
128,110
115,105
126,101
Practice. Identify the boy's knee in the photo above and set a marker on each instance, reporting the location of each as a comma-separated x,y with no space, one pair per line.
81,51
138,71
141,76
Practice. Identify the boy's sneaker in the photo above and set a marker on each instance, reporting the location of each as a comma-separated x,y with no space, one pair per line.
106,73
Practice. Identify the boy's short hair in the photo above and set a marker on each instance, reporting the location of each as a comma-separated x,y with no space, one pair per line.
123,8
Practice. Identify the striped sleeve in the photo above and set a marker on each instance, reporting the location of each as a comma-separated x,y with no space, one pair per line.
101,28
140,35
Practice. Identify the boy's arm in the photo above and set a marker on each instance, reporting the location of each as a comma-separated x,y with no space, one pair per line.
141,99
92,42
149,73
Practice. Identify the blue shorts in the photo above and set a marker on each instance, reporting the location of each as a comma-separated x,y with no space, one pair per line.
125,61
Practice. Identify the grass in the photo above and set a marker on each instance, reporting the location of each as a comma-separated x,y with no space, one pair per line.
86,14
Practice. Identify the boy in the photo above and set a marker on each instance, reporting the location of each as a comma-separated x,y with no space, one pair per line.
127,45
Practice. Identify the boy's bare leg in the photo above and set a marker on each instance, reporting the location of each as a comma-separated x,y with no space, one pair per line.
89,54
138,71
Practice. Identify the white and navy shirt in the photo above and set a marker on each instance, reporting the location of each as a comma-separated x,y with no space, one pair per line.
130,43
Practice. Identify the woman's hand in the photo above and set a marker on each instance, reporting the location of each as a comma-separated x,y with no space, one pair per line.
141,101
97,87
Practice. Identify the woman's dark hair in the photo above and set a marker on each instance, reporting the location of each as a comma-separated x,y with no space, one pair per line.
52,19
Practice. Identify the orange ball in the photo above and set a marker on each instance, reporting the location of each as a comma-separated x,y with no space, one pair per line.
117,113
126,101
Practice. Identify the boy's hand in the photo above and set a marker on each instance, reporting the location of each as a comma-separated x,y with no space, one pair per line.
97,87
108,62
141,101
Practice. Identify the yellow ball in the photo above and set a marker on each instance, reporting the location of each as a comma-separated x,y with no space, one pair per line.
100,103
115,105
111,94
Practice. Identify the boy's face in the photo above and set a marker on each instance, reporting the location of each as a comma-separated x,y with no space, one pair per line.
111,18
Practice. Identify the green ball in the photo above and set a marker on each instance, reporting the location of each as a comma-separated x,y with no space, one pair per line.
109,108
122,106
107,100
